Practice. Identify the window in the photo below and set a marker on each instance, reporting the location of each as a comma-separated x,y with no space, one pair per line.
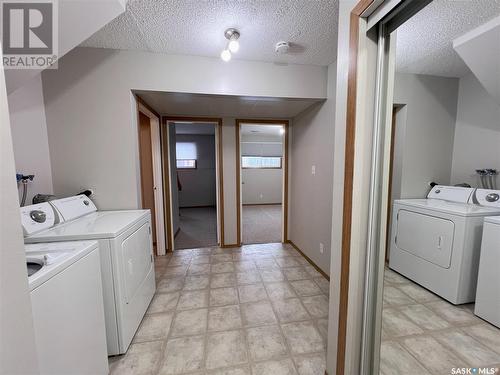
263,162
186,155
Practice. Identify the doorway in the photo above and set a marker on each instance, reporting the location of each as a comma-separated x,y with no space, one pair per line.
192,156
262,180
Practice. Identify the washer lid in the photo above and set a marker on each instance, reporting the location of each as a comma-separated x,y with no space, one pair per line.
73,207
453,208
97,225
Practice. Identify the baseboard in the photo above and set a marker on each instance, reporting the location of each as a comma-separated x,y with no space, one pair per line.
261,204
226,246
309,260
177,232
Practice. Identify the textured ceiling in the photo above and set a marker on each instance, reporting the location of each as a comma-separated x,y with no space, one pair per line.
168,103
196,27
424,43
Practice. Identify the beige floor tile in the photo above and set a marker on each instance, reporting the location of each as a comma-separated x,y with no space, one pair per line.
221,280
201,259
323,284
248,277
473,352
395,297
222,267
418,293
163,302
244,370
168,285
424,317
175,271
306,287
281,367
430,353
252,293
394,360
244,266
270,276
221,258
316,306
314,364
453,314
296,273
265,343
140,359
190,322
290,310
257,313
322,325
193,300
154,327
224,318
266,264
396,324
303,337
196,282
486,334
393,277
312,271
223,296
198,269
183,355
279,290
287,262
226,349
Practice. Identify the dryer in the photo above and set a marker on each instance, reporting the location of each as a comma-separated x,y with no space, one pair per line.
436,241
126,256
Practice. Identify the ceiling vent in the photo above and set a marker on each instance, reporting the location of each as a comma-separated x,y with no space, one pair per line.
282,47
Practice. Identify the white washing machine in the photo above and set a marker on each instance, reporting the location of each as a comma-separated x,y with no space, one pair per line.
126,253
68,312
436,241
488,281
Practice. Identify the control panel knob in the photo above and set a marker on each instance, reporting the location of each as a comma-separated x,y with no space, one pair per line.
38,216
492,197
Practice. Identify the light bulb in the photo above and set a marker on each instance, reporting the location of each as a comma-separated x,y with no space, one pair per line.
234,46
225,55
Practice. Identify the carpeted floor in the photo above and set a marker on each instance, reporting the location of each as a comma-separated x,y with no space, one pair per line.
198,228
261,224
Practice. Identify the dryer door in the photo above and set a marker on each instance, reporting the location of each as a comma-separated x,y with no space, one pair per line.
427,237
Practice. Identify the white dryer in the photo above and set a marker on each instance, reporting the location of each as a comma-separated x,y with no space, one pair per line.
436,241
126,254
68,312
488,282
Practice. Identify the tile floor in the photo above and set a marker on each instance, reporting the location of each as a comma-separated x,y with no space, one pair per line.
425,335
258,309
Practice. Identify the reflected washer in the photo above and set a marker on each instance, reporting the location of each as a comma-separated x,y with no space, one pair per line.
68,311
436,241
126,254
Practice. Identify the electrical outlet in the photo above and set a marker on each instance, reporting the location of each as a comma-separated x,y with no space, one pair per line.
321,248
313,170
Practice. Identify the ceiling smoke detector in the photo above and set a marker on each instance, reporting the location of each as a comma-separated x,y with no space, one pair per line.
282,47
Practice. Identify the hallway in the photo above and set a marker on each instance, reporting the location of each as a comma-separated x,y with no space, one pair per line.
197,228
261,223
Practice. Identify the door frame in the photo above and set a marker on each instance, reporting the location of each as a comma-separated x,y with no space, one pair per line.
166,162
286,126
155,120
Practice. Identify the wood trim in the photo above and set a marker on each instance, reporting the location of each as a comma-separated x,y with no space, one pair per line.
219,153
231,245
311,262
286,124
167,212
145,104
389,190
360,7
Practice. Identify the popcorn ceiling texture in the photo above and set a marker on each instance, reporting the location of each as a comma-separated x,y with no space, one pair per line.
196,27
425,42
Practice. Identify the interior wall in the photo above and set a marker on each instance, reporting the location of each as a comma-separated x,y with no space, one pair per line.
89,116
29,137
431,107
17,339
199,185
174,196
312,146
477,133
261,186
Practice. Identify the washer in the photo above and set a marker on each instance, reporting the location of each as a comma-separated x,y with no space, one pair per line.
67,306
488,283
436,241
126,253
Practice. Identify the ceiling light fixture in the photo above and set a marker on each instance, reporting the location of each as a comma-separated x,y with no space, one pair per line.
233,45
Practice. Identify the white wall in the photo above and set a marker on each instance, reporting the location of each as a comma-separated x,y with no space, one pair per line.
261,186
311,194
29,137
199,185
17,339
89,116
477,133
431,107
